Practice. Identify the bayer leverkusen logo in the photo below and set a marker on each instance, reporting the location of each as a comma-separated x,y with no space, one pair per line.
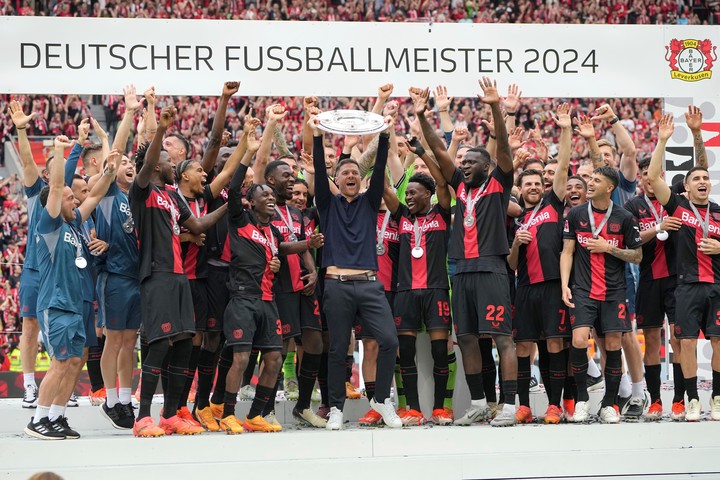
690,60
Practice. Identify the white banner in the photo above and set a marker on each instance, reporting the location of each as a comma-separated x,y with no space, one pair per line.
194,57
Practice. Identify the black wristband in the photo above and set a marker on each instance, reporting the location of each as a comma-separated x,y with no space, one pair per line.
614,120
492,136
419,149
510,114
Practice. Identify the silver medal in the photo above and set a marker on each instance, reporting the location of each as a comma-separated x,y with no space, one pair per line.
176,229
292,238
380,249
129,225
469,221
662,235
80,262
417,252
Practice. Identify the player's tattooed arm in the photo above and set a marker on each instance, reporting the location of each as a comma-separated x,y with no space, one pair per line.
693,118
633,255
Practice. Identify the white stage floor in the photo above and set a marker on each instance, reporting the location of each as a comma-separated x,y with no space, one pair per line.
663,450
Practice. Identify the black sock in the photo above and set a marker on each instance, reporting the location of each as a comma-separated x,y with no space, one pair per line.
164,374
93,365
613,374
250,369
652,379
177,374
229,402
370,390
189,375
523,380
323,378
716,384
544,365
152,365
260,403
579,366
144,349
206,373
691,388
273,396
309,368
509,388
408,370
557,374
488,371
679,383
475,384
501,388
438,349
349,359
224,363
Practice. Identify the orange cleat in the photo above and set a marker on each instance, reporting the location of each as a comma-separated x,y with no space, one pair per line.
371,419
98,396
655,412
176,424
207,420
442,416
350,392
185,414
523,414
259,424
553,414
413,418
231,425
145,427
678,411
217,409
569,409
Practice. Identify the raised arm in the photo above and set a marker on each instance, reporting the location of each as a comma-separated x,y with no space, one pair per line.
491,97
310,107
693,118
132,105
442,189
655,170
21,121
150,115
420,99
322,183
512,105
167,117
442,102
57,177
74,157
584,128
628,163
102,136
248,144
377,181
275,114
392,202
383,93
215,139
561,174
102,185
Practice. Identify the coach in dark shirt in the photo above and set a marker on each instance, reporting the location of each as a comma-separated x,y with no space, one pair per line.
352,289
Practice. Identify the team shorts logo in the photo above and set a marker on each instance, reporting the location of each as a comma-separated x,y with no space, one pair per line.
690,60
211,322
166,327
238,334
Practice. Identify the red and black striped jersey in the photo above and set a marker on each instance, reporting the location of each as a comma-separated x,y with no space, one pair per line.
156,213
601,276
194,256
694,266
252,247
388,255
428,270
658,259
289,277
479,241
539,260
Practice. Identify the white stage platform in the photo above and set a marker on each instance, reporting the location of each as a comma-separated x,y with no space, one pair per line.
663,450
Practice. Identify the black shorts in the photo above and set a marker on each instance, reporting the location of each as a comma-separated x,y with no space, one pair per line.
429,307
540,313
297,311
199,290
608,316
167,308
700,307
218,297
252,323
653,301
359,334
481,304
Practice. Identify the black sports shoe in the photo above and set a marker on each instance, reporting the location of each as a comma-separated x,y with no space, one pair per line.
44,430
127,412
118,416
623,404
61,425
635,408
